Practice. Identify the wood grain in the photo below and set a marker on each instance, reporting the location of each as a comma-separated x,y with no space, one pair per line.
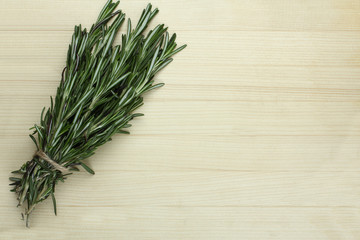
255,135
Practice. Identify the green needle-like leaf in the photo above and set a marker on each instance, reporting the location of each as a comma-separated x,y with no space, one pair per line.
54,202
87,168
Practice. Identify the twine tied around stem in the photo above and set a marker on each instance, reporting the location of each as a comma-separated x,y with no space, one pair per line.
45,157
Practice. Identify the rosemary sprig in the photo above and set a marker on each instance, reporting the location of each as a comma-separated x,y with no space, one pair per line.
101,87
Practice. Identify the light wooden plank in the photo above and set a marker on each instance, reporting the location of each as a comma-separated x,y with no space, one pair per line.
45,76
181,222
188,15
250,48
223,153
209,188
257,118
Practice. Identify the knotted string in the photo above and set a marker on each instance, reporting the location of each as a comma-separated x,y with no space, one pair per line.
57,166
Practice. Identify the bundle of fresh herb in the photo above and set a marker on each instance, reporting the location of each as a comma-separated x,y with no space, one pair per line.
101,87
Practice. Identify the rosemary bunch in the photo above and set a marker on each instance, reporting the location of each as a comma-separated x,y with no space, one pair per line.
101,87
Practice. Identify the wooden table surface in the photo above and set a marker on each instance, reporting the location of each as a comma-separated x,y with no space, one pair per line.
256,134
